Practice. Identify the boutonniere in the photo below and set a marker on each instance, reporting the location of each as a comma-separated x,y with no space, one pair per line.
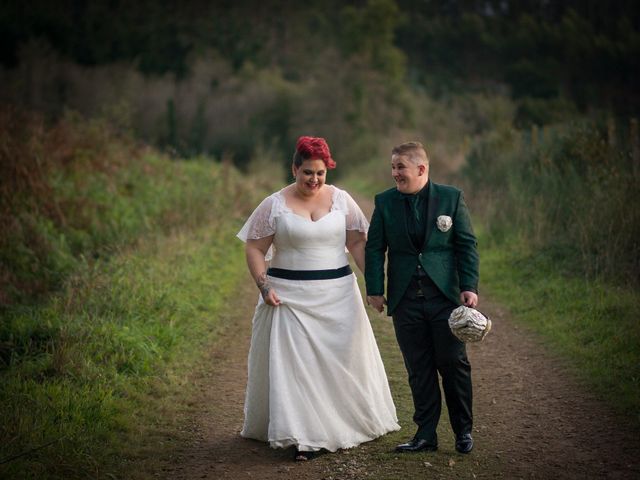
444,223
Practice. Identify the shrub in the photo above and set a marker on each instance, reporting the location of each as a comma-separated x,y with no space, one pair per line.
568,188
73,191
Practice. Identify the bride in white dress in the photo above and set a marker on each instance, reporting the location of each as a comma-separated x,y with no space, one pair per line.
316,379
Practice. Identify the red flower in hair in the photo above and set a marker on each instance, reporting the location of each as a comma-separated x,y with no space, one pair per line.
315,148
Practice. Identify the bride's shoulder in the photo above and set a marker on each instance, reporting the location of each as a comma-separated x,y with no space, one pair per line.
270,203
341,199
277,201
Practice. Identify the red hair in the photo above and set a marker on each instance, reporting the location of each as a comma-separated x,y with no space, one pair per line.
311,148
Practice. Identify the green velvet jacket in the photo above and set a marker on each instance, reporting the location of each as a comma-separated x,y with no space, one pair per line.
449,257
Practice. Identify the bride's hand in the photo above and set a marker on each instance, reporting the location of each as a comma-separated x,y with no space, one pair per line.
271,298
269,295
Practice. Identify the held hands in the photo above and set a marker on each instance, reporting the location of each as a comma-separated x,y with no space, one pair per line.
377,301
469,299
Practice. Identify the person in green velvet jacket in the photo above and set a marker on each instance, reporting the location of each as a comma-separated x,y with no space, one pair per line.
423,230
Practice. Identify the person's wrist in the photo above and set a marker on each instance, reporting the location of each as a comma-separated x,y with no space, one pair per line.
264,290
263,285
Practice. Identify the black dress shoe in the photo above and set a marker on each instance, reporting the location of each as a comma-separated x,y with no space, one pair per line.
417,445
464,443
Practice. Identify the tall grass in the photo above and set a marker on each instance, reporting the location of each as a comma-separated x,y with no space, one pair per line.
569,189
116,262
73,191
95,363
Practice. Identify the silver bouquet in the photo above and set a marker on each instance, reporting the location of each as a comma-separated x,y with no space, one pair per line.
468,324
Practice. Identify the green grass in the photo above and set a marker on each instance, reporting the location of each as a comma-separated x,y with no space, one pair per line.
591,323
74,191
103,210
570,184
143,269
110,344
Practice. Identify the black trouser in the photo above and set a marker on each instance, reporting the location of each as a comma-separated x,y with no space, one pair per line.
429,347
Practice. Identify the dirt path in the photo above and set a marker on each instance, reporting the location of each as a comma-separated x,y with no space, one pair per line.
532,419
538,418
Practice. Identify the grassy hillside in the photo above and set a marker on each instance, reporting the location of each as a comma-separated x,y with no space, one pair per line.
116,264
74,192
569,188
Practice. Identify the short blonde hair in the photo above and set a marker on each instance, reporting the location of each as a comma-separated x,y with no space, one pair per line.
415,151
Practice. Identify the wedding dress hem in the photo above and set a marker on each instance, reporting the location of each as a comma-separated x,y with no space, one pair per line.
312,446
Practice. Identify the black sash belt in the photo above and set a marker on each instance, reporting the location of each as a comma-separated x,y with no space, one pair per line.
310,274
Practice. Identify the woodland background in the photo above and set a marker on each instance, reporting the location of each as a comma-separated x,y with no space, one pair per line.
128,129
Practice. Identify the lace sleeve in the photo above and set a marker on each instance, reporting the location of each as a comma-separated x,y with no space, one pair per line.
355,219
261,222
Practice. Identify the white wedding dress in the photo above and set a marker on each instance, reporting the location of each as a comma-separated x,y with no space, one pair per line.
316,379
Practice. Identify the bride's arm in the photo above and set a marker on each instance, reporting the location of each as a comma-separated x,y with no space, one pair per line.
255,252
356,241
